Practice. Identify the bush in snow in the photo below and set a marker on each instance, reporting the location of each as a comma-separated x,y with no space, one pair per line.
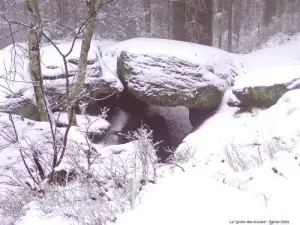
85,201
111,184
13,203
241,157
95,197
102,185
236,157
184,155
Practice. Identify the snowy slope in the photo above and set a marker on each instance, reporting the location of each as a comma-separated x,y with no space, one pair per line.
212,193
266,190
274,54
193,198
268,77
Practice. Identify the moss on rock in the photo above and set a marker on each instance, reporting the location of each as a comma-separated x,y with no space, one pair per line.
260,96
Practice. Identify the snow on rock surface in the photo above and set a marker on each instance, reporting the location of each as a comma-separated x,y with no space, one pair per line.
15,86
14,78
97,74
173,73
262,88
86,123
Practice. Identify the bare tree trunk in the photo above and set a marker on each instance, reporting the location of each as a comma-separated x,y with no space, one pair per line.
202,13
230,25
237,21
147,10
280,7
207,19
34,37
292,7
60,11
178,20
220,11
169,20
82,65
269,11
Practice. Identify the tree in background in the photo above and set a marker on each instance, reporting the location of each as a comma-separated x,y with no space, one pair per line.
199,21
178,18
230,28
269,11
240,28
147,10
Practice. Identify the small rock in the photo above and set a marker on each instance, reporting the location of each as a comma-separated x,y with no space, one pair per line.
275,170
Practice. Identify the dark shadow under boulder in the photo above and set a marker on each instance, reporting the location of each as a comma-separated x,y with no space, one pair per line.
199,116
161,134
130,115
100,101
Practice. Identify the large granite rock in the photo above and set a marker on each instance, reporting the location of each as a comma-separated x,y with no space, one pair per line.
263,88
172,73
100,83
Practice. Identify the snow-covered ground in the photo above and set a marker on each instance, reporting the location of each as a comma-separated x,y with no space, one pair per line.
262,187
246,167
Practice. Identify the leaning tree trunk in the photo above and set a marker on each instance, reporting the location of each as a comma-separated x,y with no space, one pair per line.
82,65
34,37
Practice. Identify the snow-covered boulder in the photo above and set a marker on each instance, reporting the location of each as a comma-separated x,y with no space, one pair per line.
99,80
18,97
263,88
172,73
95,127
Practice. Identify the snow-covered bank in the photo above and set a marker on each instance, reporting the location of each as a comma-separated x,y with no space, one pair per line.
212,192
194,198
266,187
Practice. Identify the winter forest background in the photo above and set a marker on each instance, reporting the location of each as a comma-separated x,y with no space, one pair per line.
233,25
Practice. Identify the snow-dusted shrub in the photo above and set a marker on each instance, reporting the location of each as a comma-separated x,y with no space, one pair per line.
129,173
103,185
84,201
277,144
236,157
243,156
145,151
183,154
112,184
237,183
12,204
